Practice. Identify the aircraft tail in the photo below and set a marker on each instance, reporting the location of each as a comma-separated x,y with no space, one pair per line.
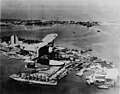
14,40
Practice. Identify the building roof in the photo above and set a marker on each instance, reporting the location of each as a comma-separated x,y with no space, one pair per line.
112,74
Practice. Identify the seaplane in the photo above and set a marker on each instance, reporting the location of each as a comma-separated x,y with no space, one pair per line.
25,50
49,39
45,47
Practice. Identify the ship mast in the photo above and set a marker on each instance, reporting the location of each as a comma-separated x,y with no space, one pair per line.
43,12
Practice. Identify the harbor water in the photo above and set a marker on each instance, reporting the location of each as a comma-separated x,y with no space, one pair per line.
105,44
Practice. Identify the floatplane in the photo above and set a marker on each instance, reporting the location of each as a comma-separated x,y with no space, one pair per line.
49,39
46,46
24,48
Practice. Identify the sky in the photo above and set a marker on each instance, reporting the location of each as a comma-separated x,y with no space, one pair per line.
97,10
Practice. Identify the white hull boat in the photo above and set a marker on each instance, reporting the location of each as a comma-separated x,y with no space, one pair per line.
103,87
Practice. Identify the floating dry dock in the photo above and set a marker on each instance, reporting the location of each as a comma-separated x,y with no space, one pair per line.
46,77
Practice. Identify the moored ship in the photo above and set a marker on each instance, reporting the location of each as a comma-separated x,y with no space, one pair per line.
46,77
34,80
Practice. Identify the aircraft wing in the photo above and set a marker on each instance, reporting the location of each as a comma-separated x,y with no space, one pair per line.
34,47
49,38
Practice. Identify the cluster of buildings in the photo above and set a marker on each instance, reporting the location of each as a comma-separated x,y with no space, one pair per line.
103,76
59,61
13,22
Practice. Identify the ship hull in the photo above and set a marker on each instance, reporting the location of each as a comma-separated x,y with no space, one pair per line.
33,81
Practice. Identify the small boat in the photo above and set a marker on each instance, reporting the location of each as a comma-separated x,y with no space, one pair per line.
98,30
88,82
103,87
79,73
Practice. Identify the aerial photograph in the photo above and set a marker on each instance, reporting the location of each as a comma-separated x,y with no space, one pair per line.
59,46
